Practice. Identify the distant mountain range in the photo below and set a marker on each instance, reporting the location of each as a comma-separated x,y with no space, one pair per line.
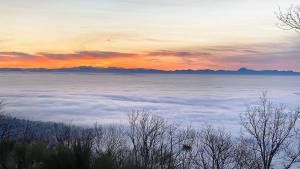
241,71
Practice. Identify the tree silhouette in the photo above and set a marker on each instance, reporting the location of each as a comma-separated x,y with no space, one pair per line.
290,18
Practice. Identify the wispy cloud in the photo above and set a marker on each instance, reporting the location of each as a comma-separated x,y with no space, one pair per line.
263,56
92,54
182,53
17,55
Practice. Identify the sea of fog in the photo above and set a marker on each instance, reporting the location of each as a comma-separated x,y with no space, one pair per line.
86,98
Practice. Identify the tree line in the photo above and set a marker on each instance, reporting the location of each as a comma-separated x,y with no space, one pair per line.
269,139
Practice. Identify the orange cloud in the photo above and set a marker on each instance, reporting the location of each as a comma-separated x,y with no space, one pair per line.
166,60
217,57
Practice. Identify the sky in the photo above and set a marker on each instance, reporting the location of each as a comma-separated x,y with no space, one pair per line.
156,34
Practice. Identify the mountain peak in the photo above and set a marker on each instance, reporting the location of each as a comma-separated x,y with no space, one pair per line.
244,69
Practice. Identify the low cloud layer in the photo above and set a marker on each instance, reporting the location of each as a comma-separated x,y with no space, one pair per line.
189,100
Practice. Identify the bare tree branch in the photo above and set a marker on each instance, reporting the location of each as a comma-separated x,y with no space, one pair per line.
289,19
270,128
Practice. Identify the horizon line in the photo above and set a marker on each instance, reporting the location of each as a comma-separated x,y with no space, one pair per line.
245,69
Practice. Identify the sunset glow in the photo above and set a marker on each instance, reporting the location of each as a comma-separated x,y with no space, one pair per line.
154,34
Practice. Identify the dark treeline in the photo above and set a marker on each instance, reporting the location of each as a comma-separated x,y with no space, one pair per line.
270,139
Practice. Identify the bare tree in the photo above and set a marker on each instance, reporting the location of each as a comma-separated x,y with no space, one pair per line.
82,148
292,150
5,133
177,147
27,134
290,19
269,128
111,141
215,149
145,135
5,125
3,129
243,155
64,134
187,139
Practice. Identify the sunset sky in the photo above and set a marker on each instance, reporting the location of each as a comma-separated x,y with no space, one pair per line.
158,34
